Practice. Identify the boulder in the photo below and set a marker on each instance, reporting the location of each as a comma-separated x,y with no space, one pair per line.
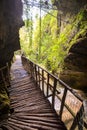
74,71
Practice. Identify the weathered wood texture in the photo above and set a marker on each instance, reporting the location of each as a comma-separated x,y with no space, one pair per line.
32,111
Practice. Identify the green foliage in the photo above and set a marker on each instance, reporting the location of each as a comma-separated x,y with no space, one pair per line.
54,46
80,24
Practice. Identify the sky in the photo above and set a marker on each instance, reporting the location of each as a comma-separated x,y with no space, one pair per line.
34,6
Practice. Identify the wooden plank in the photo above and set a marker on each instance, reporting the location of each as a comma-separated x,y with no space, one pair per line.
23,126
14,127
35,124
6,127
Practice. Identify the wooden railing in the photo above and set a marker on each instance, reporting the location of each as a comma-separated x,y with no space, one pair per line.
49,84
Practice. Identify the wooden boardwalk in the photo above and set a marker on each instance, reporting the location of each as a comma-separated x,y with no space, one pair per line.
31,109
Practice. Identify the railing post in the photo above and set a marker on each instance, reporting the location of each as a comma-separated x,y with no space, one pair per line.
54,90
78,120
32,70
36,74
8,72
47,84
63,101
39,76
42,80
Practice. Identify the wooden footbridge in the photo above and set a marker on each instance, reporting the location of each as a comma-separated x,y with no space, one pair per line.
38,104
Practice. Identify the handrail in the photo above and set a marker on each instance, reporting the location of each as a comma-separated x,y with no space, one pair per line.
42,78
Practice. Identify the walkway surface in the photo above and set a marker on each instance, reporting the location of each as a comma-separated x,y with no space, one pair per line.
31,110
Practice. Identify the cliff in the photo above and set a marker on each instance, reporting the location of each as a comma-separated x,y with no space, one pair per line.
73,19
10,23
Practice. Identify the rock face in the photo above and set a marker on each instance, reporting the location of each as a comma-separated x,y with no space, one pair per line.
74,71
70,6
67,9
10,23
75,65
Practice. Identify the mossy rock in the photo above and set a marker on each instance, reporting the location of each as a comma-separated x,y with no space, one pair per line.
4,107
4,100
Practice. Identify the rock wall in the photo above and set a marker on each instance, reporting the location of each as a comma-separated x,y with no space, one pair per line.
10,23
67,9
70,6
74,71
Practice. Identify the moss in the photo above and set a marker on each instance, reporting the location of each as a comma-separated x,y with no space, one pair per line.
80,23
76,29
74,32
4,100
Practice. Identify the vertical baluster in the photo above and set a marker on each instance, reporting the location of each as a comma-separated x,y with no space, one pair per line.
78,120
63,101
36,73
32,69
54,90
42,80
47,84
39,76
8,73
